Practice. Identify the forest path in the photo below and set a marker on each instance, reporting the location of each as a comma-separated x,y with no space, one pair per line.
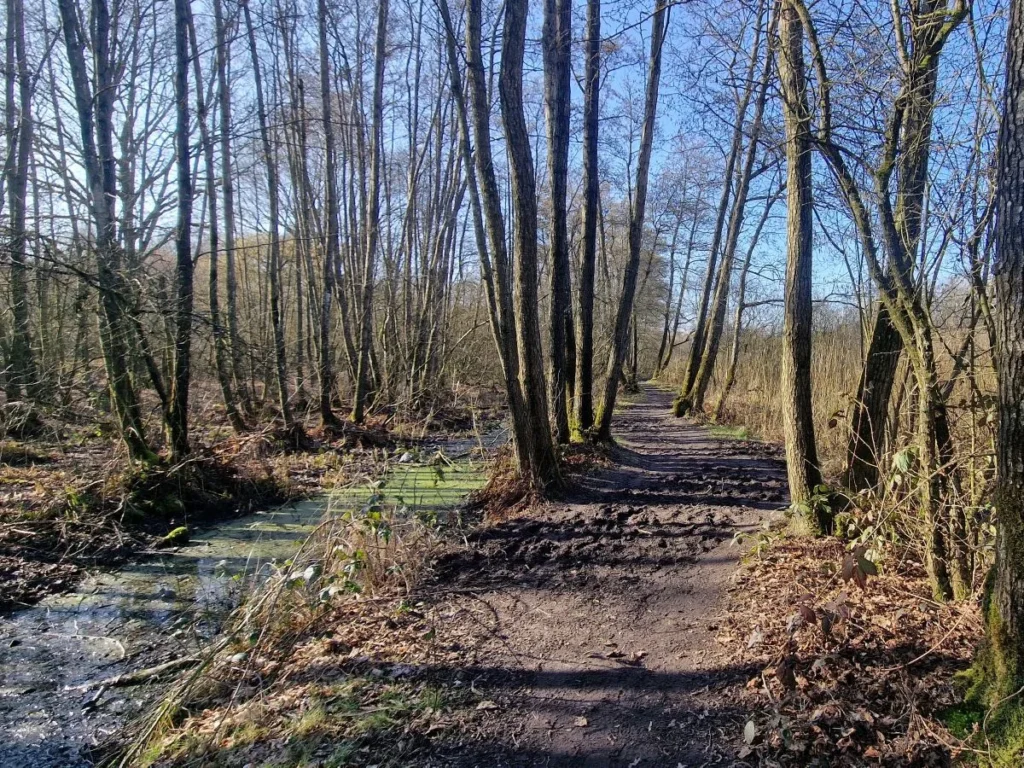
602,610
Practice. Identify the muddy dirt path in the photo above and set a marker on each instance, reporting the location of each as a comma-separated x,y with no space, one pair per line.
602,611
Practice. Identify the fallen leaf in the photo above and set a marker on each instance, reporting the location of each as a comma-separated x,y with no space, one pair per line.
749,732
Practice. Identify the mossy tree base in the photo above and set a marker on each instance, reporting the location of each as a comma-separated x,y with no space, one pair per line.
994,685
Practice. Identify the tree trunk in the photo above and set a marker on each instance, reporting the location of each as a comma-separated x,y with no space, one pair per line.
720,304
669,294
228,190
583,397
741,293
492,219
22,376
177,413
801,449
221,353
556,40
325,371
620,338
870,410
867,441
684,282
543,461
683,402
95,117
270,161
372,221
1001,660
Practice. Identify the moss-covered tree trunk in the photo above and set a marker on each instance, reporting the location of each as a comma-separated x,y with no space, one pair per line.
556,40
1002,660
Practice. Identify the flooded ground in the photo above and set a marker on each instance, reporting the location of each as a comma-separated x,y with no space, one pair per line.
55,656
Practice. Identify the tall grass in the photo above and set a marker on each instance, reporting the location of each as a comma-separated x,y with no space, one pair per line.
836,361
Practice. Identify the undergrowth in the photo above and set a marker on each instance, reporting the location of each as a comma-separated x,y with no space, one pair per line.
320,664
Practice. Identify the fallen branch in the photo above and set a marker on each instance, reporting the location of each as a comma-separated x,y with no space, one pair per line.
140,676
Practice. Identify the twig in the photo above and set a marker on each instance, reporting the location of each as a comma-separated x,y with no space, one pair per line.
931,650
140,676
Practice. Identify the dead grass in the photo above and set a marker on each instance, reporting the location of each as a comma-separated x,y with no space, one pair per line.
836,364
332,662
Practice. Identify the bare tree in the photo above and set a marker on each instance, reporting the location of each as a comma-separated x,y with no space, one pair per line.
331,246
228,191
801,448
583,398
907,142
620,338
372,222
221,351
274,214
543,461
684,402
177,413
556,39
713,335
22,374
95,105
737,323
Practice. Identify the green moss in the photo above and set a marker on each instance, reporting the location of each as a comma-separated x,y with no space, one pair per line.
962,718
176,538
736,433
680,406
992,685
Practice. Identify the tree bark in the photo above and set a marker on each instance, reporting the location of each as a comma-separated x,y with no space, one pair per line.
720,304
684,282
270,161
221,352
325,369
228,191
372,221
177,413
22,376
95,117
870,410
868,419
583,396
669,295
556,40
543,461
683,402
801,449
1002,656
741,293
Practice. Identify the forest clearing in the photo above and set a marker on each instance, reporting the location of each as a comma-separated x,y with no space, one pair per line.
458,383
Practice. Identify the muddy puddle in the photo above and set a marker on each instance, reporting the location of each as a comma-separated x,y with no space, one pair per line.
55,655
